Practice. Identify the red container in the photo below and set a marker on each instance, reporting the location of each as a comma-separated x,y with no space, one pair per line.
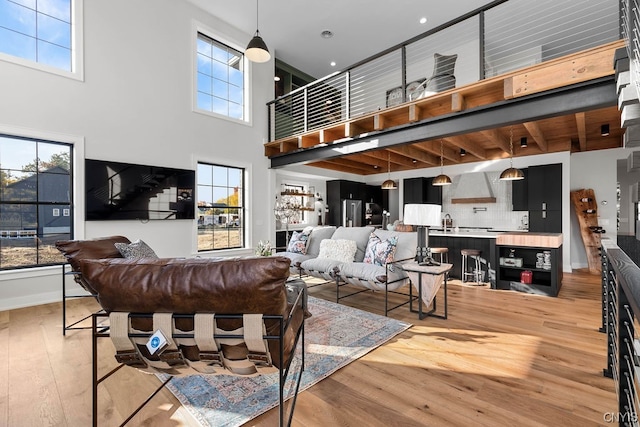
526,277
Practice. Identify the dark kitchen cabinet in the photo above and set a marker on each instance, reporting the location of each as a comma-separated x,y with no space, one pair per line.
545,198
520,192
421,190
339,190
545,187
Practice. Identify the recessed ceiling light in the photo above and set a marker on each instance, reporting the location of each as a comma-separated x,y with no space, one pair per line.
333,63
423,20
326,34
276,78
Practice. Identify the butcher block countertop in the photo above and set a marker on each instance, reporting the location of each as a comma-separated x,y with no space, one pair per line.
526,239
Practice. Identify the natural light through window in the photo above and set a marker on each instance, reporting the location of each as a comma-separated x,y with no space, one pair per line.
221,223
38,31
220,78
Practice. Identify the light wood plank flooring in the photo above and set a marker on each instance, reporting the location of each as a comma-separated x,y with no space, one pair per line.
501,359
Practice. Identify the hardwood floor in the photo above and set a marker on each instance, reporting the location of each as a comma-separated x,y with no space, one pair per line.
502,358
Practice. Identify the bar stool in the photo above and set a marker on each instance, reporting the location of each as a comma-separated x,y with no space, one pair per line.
476,273
443,252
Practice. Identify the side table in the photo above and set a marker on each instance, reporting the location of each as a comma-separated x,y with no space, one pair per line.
427,279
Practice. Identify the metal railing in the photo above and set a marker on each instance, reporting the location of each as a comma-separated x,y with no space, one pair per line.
620,298
498,38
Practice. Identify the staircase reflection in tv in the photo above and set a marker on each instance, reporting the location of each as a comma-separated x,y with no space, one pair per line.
120,191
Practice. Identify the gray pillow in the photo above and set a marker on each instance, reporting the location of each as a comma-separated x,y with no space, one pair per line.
135,250
444,64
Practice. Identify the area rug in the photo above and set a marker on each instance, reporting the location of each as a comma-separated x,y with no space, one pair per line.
335,336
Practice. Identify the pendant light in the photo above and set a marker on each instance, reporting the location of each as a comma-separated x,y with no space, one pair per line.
511,174
389,184
441,179
257,50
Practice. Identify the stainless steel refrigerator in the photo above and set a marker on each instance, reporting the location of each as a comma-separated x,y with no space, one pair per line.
352,213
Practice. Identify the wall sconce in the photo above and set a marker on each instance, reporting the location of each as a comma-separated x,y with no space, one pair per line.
604,130
523,142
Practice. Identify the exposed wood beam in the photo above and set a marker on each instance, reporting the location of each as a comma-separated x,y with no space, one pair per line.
468,146
353,164
395,158
582,130
373,161
339,168
414,153
538,135
585,96
497,138
433,147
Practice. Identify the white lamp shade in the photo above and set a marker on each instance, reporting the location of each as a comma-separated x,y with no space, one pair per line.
422,215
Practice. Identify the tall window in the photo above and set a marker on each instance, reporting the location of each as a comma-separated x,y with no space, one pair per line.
220,78
35,201
221,219
38,31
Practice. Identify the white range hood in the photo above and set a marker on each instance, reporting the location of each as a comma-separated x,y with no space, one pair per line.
472,188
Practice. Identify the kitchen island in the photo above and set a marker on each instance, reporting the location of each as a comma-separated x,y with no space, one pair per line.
524,246
483,240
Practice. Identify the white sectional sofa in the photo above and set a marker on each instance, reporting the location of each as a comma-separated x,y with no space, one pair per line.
318,260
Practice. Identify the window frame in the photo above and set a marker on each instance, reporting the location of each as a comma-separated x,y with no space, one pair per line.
199,28
77,49
244,207
53,140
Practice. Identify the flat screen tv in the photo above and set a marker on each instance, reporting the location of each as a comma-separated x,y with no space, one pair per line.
117,191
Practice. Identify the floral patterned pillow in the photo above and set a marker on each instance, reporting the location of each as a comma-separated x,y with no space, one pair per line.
298,243
380,252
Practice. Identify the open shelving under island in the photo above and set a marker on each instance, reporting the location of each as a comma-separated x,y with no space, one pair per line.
537,253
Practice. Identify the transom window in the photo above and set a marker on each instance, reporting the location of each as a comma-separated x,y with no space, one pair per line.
35,201
221,210
38,31
220,78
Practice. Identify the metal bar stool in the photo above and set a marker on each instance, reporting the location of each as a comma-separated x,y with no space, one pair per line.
443,252
476,273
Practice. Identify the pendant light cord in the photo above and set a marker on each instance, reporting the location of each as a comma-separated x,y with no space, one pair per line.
511,145
441,158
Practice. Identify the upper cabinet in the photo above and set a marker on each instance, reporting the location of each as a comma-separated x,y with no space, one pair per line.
544,186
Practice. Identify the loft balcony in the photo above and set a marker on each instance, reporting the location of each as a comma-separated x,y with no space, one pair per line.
544,73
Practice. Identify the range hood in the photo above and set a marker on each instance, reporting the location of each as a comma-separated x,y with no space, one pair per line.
472,188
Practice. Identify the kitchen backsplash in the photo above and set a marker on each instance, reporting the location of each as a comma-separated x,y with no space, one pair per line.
499,215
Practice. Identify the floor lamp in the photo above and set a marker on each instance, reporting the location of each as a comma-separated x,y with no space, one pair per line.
423,216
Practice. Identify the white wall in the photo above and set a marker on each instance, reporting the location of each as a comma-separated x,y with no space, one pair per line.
596,170
135,105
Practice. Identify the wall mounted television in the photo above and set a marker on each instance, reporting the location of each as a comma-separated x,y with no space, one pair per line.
120,191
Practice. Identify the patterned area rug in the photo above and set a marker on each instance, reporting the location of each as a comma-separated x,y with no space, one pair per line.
335,336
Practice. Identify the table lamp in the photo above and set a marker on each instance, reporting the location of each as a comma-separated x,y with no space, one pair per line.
423,216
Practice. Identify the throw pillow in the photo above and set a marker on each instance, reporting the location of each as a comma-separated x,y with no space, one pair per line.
444,64
135,250
298,243
380,252
338,249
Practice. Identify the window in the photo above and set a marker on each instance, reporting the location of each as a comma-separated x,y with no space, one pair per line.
40,31
220,79
35,201
221,223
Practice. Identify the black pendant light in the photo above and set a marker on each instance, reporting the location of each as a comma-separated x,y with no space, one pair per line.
257,50
441,179
389,184
511,174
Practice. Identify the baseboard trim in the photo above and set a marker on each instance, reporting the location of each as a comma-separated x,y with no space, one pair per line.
30,300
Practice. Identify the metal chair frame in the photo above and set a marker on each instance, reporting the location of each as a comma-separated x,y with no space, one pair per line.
101,331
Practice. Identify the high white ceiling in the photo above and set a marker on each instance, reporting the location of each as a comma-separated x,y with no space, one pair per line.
361,28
